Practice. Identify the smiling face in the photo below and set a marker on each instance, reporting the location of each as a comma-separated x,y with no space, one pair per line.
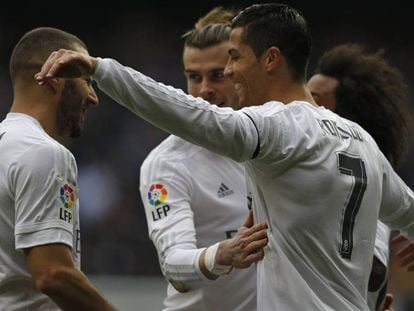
204,71
76,97
245,70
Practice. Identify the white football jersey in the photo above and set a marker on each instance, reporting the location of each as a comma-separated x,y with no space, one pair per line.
382,252
194,198
382,242
318,180
38,205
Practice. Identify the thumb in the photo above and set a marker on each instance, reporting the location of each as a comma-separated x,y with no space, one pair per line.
389,299
249,220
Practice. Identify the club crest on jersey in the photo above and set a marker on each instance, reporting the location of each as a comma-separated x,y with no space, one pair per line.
157,194
67,198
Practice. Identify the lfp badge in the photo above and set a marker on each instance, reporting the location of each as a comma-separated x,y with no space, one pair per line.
67,195
157,194
68,198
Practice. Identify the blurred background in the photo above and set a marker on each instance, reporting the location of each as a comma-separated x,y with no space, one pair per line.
116,251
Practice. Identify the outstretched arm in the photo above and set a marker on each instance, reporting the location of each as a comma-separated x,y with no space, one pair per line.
221,130
66,64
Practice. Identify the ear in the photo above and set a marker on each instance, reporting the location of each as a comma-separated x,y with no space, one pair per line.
272,58
55,84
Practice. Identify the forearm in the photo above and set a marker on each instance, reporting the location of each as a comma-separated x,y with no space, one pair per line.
181,268
221,130
208,263
71,290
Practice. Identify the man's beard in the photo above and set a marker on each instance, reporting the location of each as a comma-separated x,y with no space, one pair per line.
69,110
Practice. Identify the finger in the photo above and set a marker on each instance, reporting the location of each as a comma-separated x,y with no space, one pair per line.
255,228
249,220
53,57
255,232
255,246
42,75
389,299
253,257
246,262
405,251
258,235
57,67
259,230
409,260
398,239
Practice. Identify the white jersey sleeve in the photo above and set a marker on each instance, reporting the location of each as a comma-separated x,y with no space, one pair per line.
194,198
47,215
39,206
296,146
221,130
382,241
166,194
377,290
397,210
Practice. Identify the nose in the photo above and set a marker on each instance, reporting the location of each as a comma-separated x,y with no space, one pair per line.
228,70
206,89
92,97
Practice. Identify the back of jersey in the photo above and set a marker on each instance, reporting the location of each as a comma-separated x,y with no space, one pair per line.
323,175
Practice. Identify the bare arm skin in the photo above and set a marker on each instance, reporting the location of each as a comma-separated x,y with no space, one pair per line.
55,274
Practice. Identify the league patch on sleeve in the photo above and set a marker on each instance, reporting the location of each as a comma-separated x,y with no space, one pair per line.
67,196
157,194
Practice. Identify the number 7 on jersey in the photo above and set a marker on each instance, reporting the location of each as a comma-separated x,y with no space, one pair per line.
355,167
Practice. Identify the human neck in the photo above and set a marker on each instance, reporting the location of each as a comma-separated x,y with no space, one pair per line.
38,106
289,92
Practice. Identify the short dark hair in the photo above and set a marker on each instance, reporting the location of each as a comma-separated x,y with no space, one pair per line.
371,93
211,29
34,48
275,24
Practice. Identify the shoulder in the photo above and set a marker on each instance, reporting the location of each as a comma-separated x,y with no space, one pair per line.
173,150
46,156
268,109
50,150
274,110
275,118
24,135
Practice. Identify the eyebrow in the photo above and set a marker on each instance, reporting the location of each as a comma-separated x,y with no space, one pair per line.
197,71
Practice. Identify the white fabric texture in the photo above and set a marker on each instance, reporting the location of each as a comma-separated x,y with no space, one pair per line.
194,198
38,205
318,180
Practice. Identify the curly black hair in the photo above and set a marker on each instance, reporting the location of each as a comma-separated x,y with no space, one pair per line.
371,93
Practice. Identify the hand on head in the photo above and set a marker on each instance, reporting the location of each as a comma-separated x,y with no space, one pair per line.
66,64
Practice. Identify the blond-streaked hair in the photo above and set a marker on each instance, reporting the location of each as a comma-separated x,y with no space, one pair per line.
211,29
